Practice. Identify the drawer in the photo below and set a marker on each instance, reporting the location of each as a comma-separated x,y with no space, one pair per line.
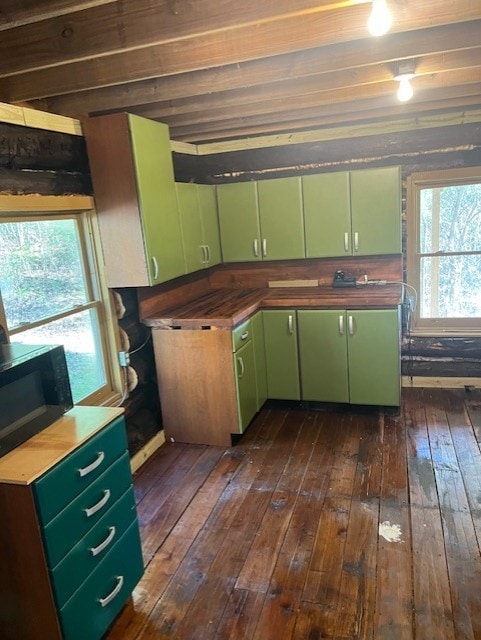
87,554
71,524
241,335
76,472
92,609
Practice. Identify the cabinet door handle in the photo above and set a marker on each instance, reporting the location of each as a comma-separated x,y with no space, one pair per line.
100,504
108,599
346,242
341,325
356,241
156,268
255,246
245,335
204,254
207,253
264,247
103,545
290,324
84,471
241,365
350,323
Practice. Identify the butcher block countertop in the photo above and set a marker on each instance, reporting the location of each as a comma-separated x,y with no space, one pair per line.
226,308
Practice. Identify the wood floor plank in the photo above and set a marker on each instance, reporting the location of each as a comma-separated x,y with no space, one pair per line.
163,465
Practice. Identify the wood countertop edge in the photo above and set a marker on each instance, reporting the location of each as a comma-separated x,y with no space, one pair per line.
379,297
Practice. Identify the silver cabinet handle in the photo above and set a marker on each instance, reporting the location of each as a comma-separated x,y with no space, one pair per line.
241,365
84,471
245,335
103,545
264,247
108,599
350,324
341,325
207,253
156,268
101,503
356,241
255,246
204,254
346,242
290,324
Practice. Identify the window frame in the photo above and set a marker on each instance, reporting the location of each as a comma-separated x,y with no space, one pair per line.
16,208
415,183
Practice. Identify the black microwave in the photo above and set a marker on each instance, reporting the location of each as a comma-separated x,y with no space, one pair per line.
34,391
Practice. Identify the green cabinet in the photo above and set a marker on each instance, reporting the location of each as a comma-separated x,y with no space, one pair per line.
133,178
282,360
350,356
246,384
200,229
353,213
261,221
257,324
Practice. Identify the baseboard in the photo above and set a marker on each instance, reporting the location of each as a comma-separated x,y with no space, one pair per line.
442,383
147,450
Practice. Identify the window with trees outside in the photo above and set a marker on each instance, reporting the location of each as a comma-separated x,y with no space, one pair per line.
52,292
444,250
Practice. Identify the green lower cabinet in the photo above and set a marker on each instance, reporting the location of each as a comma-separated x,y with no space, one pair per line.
246,384
350,356
374,357
323,355
257,324
282,359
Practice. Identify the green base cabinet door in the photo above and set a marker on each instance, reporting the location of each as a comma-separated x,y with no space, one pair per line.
281,219
327,214
376,211
246,384
239,222
323,355
257,324
282,360
374,357
210,223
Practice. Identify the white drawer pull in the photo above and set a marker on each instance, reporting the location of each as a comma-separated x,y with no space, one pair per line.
84,471
103,545
108,599
101,503
245,335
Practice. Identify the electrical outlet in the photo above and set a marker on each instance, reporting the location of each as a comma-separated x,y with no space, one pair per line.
124,358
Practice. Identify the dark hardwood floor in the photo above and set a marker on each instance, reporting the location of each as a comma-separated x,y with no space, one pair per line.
318,524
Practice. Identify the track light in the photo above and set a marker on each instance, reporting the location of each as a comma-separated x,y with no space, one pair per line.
380,18
405,73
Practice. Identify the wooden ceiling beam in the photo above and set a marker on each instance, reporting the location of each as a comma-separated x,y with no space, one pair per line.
15,14
453,61
338,57
226,47
114,27
367,110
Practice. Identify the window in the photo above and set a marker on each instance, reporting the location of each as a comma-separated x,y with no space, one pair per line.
444,250
52,294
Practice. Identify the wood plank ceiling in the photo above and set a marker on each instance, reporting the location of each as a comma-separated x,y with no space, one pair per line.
219,69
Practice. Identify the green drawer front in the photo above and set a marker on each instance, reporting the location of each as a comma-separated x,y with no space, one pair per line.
87,554
241,334
71,524
77,471
83,617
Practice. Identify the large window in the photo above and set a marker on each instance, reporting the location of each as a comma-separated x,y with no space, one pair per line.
444,250
52,293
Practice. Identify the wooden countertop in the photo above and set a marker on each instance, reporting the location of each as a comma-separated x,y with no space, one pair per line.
226,308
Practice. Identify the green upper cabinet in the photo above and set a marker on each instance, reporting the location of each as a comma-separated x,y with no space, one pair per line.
239,221
282,360
327,214
323,355
210,223
353,213
281,219
200,229
132,172
376,211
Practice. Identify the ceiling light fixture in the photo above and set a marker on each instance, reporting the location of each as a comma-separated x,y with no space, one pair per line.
380,18
405,73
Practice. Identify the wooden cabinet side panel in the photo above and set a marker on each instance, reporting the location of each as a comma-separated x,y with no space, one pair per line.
115,191
27,608
195,373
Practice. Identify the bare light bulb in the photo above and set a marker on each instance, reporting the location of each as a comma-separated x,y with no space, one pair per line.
405,91
380,18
